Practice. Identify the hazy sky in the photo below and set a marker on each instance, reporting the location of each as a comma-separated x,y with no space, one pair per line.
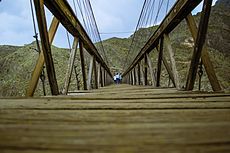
16,26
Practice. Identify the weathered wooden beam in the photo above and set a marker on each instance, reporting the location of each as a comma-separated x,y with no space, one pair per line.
41,19
98,74
145,70
172,60
77,80
139,73
204,55
199,44
168,68
40,62
178,12
70,66
131,78
81,49
63,11
90,74
105,77
159,62
135,77
95,73
101,76
153,79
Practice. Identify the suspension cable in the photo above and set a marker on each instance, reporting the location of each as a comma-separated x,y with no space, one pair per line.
34,26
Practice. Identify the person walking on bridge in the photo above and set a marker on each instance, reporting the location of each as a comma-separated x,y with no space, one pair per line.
117,78
114,79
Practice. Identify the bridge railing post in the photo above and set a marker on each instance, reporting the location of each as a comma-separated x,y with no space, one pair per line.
145,70
95,73
159,62
41,61
149,61
42,25
90,73
70,66
139,73
168,45
82,58
204,55
199,44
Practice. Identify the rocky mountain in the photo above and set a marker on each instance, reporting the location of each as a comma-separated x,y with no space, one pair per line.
17,62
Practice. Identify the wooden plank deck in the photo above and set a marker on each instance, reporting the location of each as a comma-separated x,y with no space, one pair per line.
119,119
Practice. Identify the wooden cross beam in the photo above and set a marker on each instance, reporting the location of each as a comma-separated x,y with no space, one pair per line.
153,79
172,61
41,19
145,70
204,55
159,62
90,74
199,44
81,49
40,62
70,66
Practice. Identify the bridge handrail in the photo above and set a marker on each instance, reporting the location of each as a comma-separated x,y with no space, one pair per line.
64,13
177,13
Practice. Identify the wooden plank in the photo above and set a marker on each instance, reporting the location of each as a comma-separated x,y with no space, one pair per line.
172,60
169,130
199,43
159,62
151,120
41,19
70,66
204,56
63,11
147,104
40,62
81,49
177,13
149,61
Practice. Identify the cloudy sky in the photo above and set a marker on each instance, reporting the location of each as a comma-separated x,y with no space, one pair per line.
111,16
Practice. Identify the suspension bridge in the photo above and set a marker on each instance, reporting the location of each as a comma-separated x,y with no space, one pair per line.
139,115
